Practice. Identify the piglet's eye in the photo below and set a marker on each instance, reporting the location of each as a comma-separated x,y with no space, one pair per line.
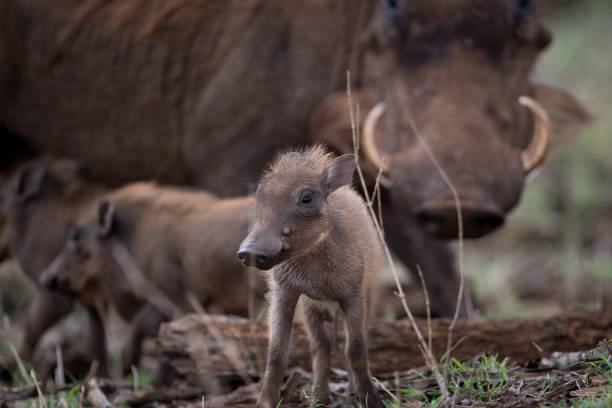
306,198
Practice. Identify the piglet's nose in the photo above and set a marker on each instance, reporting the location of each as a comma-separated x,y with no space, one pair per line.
260,260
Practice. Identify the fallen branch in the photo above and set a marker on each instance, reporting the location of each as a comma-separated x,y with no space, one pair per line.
190,350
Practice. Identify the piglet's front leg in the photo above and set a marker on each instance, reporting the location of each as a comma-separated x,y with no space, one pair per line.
280,319
357,353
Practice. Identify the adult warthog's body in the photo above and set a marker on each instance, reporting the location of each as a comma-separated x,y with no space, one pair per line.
205,92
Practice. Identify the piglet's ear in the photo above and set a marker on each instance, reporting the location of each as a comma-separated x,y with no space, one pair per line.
29,182
339,173
106,216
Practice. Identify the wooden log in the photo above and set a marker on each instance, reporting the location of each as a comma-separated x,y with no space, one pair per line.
188,349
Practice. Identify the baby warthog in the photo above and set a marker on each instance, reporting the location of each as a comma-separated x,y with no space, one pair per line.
181,242
315,234
40,202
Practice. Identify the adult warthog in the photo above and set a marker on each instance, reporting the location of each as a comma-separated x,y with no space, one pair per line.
205,92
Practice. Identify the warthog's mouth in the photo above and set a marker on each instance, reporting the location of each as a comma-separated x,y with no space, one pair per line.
442,223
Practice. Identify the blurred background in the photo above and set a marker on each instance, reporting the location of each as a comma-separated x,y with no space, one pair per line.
555,251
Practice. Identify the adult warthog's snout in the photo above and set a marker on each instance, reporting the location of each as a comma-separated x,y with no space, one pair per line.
442,221
438,215
261,250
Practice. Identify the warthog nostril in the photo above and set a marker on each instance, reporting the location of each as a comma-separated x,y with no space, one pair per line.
244,257
261,260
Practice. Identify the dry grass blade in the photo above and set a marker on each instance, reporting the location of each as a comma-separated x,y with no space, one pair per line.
59,369
385,389
425,349
457,201
81,396
427,305
42,402
135,378
22,370
60,378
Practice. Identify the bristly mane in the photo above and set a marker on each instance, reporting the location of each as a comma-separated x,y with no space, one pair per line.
308,162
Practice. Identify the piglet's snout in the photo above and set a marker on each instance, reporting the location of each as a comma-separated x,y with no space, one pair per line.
260,251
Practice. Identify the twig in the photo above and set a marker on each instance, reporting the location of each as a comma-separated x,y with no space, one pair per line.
427,352
95,396
537,347
385,389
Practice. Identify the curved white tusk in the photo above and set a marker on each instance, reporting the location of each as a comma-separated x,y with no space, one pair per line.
535,153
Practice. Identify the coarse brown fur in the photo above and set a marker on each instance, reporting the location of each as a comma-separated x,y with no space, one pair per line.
182,241
205,92
41,201
314,233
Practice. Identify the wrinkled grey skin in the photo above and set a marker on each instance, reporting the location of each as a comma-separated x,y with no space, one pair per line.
314,235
